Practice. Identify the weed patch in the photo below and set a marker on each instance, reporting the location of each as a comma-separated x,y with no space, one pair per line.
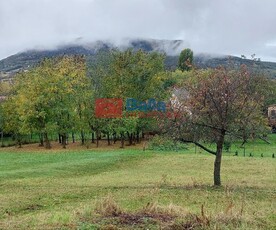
169,217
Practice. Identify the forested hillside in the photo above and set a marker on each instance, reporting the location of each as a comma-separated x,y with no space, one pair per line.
10,65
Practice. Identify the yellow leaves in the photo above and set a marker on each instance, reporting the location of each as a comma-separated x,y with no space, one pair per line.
40,94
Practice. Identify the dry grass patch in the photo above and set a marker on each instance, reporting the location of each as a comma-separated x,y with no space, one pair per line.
109,215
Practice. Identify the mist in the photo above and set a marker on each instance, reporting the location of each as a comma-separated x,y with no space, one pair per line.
220,27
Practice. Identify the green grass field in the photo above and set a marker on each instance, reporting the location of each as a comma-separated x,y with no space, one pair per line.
76,189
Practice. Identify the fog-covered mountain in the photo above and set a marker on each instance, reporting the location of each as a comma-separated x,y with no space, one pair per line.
24,60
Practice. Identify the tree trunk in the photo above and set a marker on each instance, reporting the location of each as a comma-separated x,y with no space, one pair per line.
47,142
73,137
63,140
114,138
122,141
217,164
82,138
19,141
108,139
59,138
97,138
133,138
137,137
2,139
129,135
93,137
41,140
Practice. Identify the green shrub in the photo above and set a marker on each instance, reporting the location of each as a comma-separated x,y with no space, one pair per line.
163,143
227,146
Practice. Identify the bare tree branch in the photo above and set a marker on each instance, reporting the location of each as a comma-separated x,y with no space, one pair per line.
199,145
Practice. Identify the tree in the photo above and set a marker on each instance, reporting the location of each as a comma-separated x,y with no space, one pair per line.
138,75
128,74
185,60
70,94
215,104
4,92
270,94
48,98
12,122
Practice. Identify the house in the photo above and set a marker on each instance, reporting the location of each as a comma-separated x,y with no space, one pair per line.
271,113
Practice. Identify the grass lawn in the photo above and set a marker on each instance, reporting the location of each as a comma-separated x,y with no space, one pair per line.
256,147
76,189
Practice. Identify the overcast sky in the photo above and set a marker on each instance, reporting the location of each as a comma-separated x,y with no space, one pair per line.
232,27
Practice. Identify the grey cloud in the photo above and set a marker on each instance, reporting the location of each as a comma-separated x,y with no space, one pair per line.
213,26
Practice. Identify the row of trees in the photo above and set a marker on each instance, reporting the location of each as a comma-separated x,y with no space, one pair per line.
58,96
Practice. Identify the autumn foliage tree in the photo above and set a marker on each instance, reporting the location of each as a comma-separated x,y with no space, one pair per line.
215,104
47,99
